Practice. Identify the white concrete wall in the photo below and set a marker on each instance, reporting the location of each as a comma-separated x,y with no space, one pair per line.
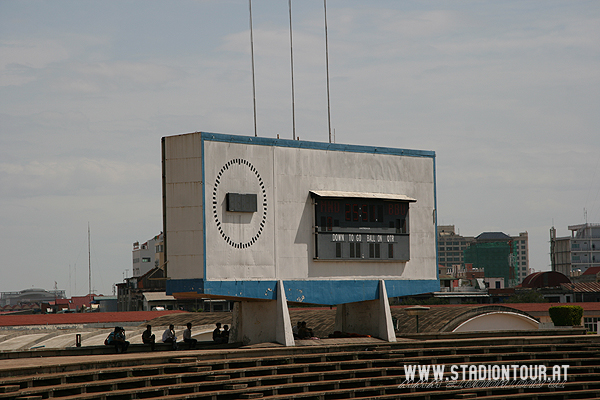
184,208
257,261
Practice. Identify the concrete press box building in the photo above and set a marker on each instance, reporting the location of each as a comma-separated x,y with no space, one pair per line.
267,220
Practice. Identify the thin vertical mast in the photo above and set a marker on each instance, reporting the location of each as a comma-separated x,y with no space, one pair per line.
253,79
89,263
327,64
292,64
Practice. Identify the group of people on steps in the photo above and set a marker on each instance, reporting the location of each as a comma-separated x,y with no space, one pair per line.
117,338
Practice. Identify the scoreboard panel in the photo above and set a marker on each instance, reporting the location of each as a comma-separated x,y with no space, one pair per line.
354,226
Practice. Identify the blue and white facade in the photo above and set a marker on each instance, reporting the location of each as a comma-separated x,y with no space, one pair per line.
240,214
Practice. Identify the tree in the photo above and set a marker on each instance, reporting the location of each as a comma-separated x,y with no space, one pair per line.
530,296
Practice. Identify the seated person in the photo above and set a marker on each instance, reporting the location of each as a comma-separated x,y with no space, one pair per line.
296,330
187,336
304,332
169,336
225,334
217,334
148,337
117,339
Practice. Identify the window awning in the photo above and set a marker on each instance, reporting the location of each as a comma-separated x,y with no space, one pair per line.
361,195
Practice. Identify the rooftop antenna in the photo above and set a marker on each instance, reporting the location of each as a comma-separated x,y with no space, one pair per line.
327,66
292,64
253,79
89,263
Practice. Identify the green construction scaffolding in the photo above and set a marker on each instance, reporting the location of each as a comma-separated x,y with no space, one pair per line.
496,259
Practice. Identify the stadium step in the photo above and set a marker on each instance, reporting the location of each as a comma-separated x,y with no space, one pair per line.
333,372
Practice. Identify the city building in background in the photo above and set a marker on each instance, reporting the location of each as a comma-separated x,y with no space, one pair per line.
503,259
130,293
451,247
493,253
149,255
574,255
30,296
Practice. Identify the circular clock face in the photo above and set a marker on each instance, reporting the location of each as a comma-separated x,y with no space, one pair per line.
239,229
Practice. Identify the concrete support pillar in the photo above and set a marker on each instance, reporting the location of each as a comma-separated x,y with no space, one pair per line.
284,333
262,321
386,325
371,317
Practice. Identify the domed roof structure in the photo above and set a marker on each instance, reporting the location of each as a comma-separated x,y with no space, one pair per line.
544,279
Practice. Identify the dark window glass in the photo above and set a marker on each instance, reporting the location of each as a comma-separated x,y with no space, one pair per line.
401,226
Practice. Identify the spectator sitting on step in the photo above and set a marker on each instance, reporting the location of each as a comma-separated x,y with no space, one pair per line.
187,336
117,339
225,334
304,332
296,330
148,337
217,334
169,336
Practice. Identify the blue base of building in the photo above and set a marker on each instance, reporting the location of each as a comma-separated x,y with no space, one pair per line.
326,292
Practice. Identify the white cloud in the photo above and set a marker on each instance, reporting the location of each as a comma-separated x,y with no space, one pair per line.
36,53
19,59
73,176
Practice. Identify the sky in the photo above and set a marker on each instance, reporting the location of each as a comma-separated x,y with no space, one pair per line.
507,93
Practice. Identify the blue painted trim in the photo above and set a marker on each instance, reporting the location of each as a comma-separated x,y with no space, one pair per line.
219,137
203,206
327,292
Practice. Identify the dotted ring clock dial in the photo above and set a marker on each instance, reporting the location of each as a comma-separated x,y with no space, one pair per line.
233,169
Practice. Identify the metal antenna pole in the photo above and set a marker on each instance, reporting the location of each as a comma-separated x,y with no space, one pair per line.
89,263
292,64
327,64
253,79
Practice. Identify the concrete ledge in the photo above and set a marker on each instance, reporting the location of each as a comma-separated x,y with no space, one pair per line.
99,350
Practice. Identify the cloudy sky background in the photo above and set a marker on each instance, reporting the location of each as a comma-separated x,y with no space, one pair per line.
506,93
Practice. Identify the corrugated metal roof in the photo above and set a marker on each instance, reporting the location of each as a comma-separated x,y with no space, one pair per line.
591,271
582,287
361,195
